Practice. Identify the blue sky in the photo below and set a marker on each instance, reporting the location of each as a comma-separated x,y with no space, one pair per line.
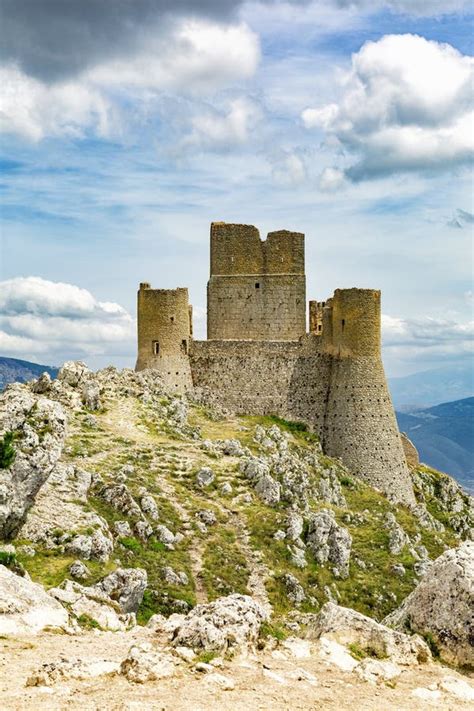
123,135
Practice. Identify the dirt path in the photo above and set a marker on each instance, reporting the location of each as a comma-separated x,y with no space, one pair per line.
259,572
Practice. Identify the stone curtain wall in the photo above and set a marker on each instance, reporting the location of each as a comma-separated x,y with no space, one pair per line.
244,376
256,290
163,323
345,401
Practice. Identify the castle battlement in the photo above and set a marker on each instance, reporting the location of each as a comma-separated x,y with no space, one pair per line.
260,358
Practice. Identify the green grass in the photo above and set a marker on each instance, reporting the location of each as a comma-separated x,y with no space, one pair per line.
273,630
225,568
7,450
50,567
88,623
356,651
7,558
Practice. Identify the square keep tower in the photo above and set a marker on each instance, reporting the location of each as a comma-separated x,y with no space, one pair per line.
257,288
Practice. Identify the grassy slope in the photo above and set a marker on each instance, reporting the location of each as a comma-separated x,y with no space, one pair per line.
216,562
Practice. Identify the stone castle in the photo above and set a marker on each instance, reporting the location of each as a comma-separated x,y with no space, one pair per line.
260,359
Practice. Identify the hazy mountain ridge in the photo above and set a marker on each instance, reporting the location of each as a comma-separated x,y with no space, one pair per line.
444,437
431,387
14,370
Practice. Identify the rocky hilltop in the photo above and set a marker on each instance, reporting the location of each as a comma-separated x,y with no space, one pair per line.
166,539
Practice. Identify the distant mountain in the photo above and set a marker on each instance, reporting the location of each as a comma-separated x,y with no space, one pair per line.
13,370
432,387
444,437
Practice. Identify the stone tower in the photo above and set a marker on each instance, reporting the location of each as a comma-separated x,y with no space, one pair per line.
256,289
164,332
360,425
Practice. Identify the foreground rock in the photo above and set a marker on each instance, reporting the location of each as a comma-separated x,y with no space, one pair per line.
126,586
92,606
220,626
59,507
25,607
79,669
145,663
349,627
442,606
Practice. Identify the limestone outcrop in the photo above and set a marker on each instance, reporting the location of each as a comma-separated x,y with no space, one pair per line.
25,607
39,427
441,607
329,542
226,624
349,627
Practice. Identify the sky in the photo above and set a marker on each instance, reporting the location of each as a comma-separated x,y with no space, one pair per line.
126,128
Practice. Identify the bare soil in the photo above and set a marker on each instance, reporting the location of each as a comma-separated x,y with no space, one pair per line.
264,681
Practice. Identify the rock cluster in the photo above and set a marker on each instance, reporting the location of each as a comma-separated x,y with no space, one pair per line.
329,542
442,606
223,625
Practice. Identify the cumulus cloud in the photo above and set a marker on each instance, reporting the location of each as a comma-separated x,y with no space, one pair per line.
57,39
58,320
198,56
54,40
222,130
406,105
427,338
195,57
289,170
32,109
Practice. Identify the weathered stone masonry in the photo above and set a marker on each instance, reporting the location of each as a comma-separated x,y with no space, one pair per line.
258,358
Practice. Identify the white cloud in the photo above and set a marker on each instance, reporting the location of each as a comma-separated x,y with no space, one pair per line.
427,339
221,130
59,320
331,179
290,169
197,57
32,109
320,118
406,105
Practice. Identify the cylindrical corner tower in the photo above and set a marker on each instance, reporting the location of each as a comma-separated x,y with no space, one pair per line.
360,425
164,330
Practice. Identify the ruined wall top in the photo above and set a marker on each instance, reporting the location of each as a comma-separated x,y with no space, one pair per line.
238,249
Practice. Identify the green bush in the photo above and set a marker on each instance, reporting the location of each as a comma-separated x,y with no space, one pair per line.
7,558
7,450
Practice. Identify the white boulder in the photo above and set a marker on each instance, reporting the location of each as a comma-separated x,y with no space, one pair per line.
442,606
25,607
348,627
146,663
225,624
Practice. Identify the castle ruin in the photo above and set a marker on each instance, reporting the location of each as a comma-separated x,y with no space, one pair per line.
259,358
